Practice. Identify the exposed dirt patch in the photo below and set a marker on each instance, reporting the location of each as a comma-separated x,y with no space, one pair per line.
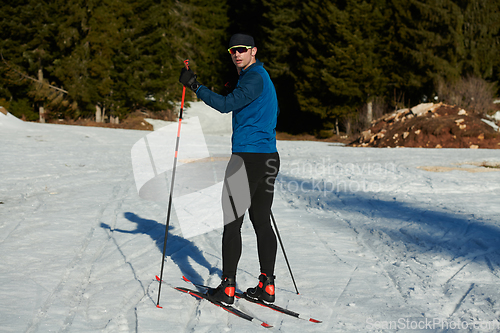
134,121
446,169
310,137
430,126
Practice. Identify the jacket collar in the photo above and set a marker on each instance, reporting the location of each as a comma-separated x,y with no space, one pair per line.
255,64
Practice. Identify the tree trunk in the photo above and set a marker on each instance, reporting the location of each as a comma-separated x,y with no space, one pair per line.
41,109
369,113
98,114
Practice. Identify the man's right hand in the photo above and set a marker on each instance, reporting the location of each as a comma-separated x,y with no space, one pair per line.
188,79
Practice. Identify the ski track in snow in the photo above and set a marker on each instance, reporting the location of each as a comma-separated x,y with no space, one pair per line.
77,274
369,236
449,295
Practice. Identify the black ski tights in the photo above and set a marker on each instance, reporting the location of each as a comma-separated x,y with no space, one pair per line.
261,169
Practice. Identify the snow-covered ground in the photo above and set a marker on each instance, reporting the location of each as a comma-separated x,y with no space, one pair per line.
375,241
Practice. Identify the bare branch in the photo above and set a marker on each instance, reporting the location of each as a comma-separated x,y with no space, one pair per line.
31,78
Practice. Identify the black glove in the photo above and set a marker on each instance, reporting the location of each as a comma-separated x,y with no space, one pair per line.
188,79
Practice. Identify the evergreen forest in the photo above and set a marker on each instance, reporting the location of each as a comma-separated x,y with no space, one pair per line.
328,59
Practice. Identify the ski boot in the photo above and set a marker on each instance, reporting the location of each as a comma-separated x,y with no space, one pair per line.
224,292
264,291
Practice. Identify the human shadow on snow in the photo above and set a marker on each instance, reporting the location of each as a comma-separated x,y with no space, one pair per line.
430,228
178,249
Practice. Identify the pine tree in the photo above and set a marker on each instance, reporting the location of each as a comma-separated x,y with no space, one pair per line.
28,47
481,29
128,54
279,51
71,69
249,17
354,64
440,41
333,54
428,42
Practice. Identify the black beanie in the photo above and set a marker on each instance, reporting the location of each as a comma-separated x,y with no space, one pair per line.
241,39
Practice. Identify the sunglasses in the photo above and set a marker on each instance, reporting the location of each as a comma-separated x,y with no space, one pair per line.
240,49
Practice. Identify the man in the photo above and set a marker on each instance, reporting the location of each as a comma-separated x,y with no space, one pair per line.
255,110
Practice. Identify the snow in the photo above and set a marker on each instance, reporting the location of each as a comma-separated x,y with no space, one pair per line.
212,121
375,242
495,116
492,124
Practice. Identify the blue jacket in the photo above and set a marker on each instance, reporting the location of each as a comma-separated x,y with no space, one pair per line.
255,110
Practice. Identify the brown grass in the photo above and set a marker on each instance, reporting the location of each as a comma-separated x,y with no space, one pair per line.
309,137
133,121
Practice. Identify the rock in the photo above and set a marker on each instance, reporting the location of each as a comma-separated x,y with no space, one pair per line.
366,135
423,108
429,125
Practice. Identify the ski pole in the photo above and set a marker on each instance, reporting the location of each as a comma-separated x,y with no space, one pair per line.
284,253
186,63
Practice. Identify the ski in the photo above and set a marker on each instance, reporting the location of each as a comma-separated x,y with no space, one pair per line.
275,308
228,308
261,303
